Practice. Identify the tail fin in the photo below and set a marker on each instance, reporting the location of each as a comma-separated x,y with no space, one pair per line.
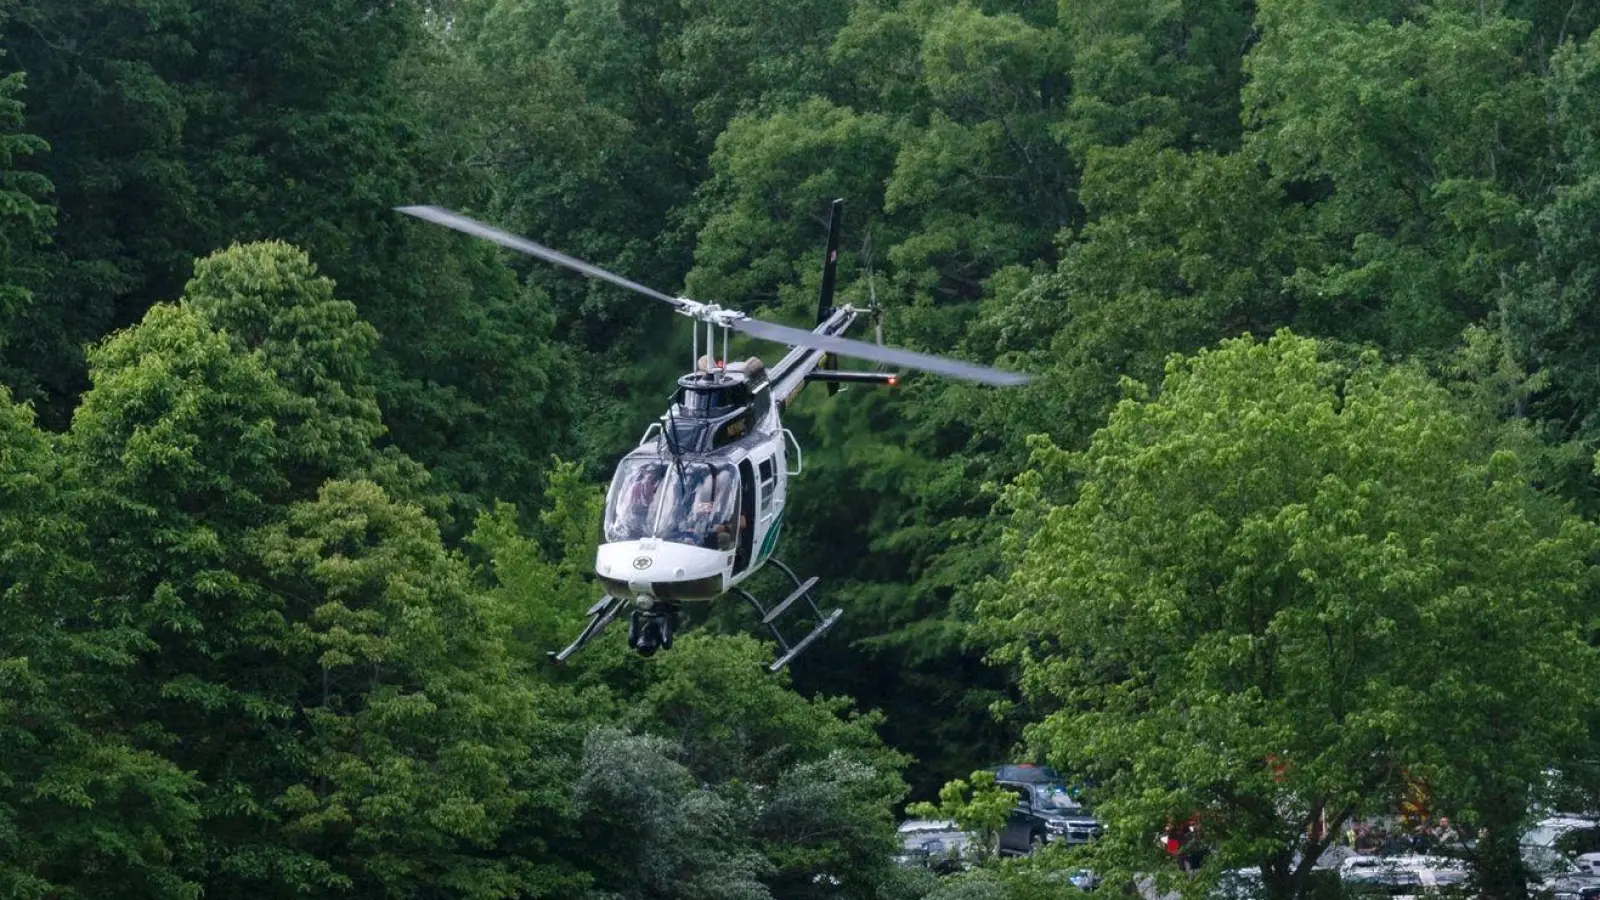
830,264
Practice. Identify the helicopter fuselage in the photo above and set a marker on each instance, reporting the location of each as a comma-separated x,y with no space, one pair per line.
696,508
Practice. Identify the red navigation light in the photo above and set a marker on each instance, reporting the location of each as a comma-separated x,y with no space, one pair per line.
894,380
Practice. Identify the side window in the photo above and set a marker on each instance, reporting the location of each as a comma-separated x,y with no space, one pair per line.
769,483
1024,797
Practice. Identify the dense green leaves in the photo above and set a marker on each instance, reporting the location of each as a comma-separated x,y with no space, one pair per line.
84,810
22,210
1419,136
980,808
1551,315
1280,591
282,550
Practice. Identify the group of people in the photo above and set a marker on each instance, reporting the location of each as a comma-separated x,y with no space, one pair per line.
1422,837
702,511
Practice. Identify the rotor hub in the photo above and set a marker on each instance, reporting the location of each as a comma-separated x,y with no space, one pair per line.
710,313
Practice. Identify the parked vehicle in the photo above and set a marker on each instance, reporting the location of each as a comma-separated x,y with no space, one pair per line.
1044,812
1027,773
1545,864
935,844
1570,887
1086,880
1239,884
1563,833
1547,852
1400,876
1246,884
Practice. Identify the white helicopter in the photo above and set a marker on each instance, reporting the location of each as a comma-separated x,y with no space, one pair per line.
695,509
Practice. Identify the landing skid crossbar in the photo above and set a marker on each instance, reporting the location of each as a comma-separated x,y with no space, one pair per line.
769,617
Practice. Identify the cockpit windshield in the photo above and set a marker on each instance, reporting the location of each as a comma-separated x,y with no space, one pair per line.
632,499
685,503
1059,799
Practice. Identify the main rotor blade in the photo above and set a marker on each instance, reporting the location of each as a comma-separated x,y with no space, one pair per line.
942,365
473,227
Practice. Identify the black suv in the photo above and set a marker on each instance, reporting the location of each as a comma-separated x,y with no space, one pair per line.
1044,812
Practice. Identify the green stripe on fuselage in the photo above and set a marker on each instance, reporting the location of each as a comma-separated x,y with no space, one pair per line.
771,539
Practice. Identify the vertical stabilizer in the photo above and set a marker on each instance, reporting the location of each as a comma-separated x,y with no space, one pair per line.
830,266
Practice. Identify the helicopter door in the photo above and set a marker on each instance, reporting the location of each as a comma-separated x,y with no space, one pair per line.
747,516
769,505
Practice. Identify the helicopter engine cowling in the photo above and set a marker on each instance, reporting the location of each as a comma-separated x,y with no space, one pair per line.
662,570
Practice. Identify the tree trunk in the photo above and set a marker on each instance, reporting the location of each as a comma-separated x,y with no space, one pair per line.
1277,878
1497,860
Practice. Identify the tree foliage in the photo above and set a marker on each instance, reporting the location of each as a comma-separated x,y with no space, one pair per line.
296,492
22,209
1278,592
980,808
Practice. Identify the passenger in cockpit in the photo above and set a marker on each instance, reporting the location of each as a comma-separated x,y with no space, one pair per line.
641,496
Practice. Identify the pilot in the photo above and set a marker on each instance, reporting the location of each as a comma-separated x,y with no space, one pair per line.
703,512
700,526
694,510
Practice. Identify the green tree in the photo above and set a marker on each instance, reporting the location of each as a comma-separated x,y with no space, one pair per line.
979,807
181,456
734,55
775,175
814,775
268,297
311,652
24,213
1549,317
85,809
1166,73
544,586
230,121
668,836
1281,589
1181,250
120,189
1413,182
423,753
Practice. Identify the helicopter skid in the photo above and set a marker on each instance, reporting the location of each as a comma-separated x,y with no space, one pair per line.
769,617
650,625
600,615
822,628
652,621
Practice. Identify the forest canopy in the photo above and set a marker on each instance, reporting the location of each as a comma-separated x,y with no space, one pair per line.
1296,514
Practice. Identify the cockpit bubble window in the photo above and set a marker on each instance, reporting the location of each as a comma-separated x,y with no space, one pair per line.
631,503
699,505
685,503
